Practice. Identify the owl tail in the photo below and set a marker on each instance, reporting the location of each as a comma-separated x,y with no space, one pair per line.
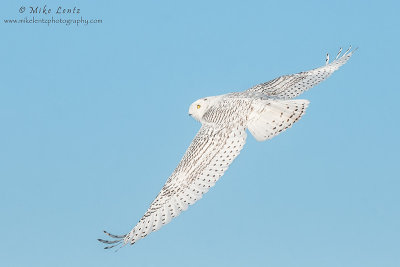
271,117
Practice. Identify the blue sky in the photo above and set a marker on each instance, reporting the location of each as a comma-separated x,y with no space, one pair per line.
93,119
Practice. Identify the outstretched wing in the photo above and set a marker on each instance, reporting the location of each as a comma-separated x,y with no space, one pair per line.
290,86
207,158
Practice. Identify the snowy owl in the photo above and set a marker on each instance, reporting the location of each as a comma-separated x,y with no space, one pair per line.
265,110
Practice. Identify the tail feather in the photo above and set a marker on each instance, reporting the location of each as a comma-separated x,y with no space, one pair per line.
271,117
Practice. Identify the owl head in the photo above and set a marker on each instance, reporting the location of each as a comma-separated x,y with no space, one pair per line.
199,107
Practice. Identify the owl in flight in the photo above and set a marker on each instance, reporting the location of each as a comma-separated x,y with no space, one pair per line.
265,110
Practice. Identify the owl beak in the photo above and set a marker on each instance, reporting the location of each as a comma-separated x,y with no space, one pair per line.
190,114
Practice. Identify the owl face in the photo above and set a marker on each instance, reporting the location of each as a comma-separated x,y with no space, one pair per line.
199,107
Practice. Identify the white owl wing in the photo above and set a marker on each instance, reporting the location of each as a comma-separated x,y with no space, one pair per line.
205,161
290,86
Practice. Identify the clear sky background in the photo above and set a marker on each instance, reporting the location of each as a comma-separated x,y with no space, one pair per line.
93,120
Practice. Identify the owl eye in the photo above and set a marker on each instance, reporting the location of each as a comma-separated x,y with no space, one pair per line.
198,106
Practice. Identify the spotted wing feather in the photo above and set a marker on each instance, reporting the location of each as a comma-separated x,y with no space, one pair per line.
207,158
290,86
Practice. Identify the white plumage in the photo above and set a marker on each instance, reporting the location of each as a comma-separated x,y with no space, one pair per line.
264,109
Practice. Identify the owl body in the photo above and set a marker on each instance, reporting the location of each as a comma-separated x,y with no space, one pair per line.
228,110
